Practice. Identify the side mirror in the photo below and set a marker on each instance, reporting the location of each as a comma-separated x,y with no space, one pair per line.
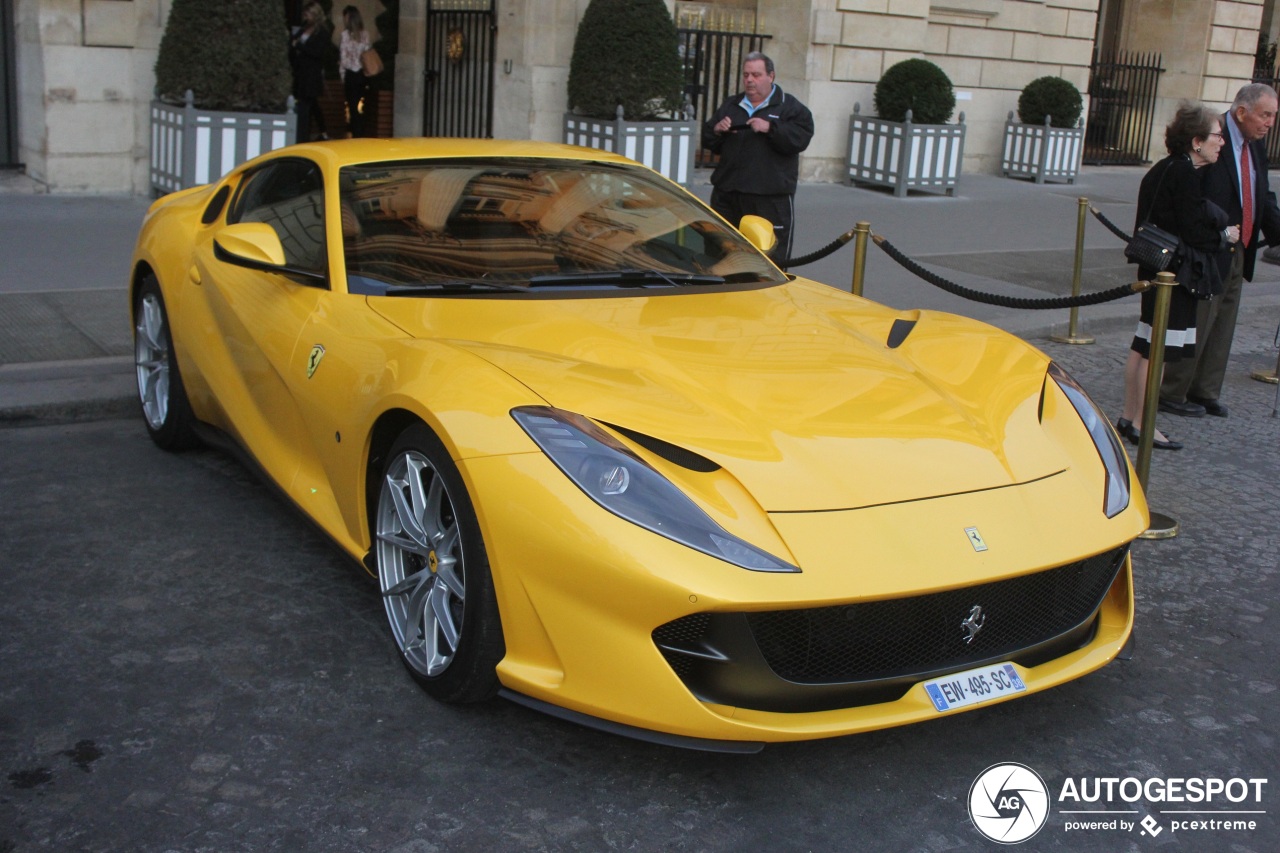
256,245
250,244
759,232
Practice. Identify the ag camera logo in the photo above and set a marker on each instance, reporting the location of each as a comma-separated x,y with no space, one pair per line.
1009,803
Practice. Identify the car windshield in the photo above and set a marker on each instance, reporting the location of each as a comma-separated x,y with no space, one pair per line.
518,224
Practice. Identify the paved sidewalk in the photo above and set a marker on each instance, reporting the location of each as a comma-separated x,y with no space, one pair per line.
65,342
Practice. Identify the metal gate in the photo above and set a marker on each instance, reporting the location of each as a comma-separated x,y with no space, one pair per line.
713,70
459,68
1122,104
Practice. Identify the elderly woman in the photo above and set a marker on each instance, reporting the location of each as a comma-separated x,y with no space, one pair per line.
1170,198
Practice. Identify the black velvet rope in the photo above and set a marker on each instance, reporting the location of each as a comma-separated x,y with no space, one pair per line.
1111,226
1008,301
820,254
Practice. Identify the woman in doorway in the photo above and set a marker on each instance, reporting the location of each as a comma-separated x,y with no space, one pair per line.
307,50
355,41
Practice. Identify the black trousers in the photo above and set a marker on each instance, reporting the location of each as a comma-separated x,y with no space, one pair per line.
353,86
778,209
310,119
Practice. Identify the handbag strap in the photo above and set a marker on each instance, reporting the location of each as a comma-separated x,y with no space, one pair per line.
1155,194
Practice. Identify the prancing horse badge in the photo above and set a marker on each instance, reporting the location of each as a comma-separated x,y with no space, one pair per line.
975,539
313,360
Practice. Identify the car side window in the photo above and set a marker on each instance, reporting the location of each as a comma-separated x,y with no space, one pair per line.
288,195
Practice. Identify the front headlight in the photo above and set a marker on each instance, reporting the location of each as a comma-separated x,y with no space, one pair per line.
627,486
1104,438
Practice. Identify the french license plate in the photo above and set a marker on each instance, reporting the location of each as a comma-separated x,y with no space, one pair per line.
962,689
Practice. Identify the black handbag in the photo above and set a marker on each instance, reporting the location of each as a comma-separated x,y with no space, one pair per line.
1152,247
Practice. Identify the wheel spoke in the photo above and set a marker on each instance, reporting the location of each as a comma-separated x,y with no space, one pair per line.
448,577
151,326
409,583
408,507
432,510
396,540
439,600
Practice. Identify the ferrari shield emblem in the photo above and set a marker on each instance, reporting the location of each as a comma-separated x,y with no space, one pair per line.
975,539
313,360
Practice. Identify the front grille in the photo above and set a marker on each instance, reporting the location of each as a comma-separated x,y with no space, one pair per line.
885,639
857,654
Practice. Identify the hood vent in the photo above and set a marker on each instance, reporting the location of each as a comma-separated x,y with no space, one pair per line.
899,332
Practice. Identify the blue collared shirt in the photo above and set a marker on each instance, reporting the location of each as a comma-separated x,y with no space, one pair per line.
751,111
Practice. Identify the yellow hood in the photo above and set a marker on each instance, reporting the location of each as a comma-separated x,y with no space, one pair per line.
812,400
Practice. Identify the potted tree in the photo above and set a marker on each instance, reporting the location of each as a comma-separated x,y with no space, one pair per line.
625,83
1047,140
908,144
223,86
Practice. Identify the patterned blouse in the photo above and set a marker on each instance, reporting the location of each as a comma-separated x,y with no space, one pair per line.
349,51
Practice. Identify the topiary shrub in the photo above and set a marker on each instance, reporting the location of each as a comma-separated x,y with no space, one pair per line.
1052,98
917,85
626,52
232,54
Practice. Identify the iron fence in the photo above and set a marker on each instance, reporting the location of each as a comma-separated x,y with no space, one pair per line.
460,40
1122,103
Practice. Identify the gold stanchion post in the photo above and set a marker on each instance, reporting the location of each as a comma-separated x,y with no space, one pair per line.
861,230
1073,335
1162,526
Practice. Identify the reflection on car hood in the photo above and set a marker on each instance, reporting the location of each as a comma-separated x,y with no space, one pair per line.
813,400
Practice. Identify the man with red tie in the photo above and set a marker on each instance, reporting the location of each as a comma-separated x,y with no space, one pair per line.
1238,184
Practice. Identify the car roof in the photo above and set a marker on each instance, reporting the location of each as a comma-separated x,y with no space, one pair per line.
342,152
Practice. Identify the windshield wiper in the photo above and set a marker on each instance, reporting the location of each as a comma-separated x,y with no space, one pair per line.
454,286
625,278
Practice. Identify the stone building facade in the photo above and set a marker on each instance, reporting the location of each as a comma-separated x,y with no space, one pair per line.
83,68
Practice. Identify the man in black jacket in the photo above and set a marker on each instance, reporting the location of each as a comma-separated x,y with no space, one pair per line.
759,134
1191,387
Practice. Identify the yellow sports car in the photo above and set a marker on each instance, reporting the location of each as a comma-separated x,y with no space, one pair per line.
605,459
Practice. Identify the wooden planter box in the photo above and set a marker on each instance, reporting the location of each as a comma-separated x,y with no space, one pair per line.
905,155
1042,152
667,147
190,146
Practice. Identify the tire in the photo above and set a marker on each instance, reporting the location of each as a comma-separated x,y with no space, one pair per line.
434,573
163,399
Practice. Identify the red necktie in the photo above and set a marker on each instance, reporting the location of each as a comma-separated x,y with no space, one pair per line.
1246,196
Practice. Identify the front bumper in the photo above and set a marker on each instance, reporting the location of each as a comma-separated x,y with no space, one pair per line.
845,656
582,593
